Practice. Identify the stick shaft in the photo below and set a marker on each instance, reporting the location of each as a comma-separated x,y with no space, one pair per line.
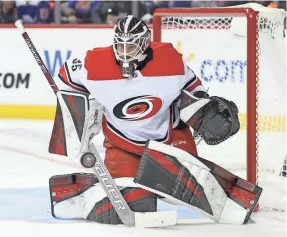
108,184
38,58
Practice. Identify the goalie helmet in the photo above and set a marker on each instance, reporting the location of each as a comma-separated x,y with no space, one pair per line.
132,38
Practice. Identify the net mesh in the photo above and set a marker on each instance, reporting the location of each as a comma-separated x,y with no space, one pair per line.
216,49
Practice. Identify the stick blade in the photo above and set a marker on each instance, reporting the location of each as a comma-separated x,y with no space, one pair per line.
155,219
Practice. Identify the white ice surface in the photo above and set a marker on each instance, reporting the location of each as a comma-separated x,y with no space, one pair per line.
26,167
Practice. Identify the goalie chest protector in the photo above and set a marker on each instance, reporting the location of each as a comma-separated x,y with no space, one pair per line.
140,108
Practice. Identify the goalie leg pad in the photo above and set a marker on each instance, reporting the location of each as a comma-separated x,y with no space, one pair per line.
139,200
80,196
239,190
203,185
67,187
166,174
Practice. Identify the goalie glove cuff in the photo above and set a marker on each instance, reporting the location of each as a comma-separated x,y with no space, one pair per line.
192,107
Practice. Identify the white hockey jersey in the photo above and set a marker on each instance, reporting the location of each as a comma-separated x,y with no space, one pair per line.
138,109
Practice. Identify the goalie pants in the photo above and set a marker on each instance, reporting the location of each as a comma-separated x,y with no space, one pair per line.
121,163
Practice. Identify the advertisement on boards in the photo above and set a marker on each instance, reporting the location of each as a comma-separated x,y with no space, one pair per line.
14,80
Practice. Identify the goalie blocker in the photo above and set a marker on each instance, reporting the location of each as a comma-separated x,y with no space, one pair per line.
173,174
77,118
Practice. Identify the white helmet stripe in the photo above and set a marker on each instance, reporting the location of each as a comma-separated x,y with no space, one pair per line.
136,26
119,26
128,23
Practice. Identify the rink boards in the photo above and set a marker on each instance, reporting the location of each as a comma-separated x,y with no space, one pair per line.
25,93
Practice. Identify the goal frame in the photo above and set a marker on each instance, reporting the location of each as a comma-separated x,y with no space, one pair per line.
251,67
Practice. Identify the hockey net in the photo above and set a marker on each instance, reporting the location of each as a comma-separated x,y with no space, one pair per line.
240,54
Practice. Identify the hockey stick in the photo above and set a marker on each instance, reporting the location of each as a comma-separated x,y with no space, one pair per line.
93,160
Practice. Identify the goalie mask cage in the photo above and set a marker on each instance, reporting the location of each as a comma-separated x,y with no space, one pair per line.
240,54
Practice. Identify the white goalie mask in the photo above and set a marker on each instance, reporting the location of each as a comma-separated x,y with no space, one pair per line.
131,39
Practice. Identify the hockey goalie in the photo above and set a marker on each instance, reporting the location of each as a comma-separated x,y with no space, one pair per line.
147,101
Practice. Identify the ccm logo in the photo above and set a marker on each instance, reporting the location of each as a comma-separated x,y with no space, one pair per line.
109,186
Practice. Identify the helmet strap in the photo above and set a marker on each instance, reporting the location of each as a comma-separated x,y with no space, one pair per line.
128,68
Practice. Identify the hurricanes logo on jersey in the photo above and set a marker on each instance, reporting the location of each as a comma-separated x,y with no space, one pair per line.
138,108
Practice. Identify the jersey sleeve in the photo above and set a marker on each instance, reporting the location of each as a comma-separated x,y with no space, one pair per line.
191,82
71,75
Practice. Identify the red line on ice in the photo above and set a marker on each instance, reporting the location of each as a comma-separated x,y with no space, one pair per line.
39,156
